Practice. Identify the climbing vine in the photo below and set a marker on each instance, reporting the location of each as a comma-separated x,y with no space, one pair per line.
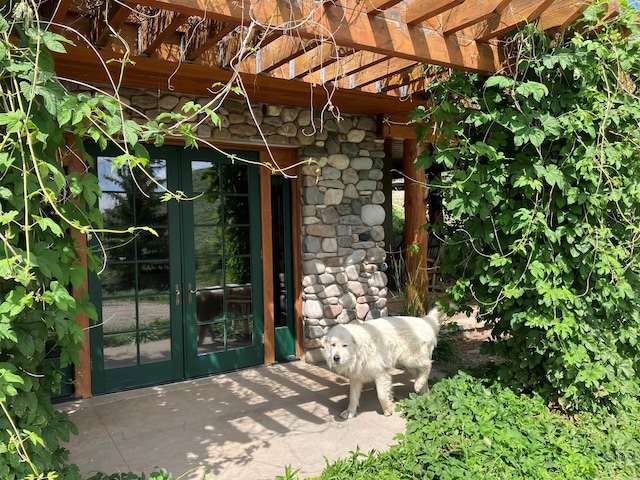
44,205
542,188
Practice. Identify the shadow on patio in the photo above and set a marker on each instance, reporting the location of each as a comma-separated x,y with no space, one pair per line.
244,424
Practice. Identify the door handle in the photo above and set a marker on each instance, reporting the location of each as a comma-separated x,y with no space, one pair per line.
191,292
177,294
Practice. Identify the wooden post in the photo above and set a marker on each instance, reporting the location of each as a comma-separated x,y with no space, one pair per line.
415,216
82,372
267,262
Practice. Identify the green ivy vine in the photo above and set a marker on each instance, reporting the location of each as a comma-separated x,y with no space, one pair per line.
542,189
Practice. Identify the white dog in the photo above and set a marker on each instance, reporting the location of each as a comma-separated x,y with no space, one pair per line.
368,351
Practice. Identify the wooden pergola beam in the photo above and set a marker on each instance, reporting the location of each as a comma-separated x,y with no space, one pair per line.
313,60
375,6
197,79
384,69
352,29
56,10
281,51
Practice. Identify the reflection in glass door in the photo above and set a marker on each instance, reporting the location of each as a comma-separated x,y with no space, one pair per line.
224,246
135,284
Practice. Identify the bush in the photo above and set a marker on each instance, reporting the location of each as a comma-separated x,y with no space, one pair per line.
542,180
162,474
465,429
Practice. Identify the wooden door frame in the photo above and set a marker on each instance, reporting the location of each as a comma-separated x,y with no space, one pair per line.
284,158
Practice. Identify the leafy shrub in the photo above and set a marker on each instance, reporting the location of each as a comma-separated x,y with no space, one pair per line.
162,474
464,429
543,175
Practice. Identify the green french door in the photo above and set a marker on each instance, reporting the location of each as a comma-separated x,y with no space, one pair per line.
186,299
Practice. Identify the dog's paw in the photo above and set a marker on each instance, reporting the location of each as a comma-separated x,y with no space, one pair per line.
388,413
347,414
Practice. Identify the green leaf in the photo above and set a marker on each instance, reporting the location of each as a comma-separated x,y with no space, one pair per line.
4,25
46,223
537,269
53,41
13,121
499,81
534,89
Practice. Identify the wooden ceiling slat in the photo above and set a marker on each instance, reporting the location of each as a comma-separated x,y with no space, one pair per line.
612,10
204,35
155,29
409,79
470,13
518,13
561,14
361,47
420,10
117,14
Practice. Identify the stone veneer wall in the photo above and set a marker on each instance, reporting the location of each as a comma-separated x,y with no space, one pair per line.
342,203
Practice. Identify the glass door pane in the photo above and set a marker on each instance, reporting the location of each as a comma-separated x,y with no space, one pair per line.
225,332
135,282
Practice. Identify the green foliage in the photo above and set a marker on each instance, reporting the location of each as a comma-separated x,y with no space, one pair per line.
543,185
43,205
464,429
162,474
289,473
40,256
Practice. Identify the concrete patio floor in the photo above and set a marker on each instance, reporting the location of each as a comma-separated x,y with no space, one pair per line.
247,424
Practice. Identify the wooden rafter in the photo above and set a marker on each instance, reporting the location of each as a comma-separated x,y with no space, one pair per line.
281,51
157,27
561,14
403,78
517,13
323,55
420,10
56,11
203,35
348,65
352,29
373,74
471,12
374,6
116,14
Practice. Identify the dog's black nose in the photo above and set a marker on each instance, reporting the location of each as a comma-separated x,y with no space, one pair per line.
336,358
